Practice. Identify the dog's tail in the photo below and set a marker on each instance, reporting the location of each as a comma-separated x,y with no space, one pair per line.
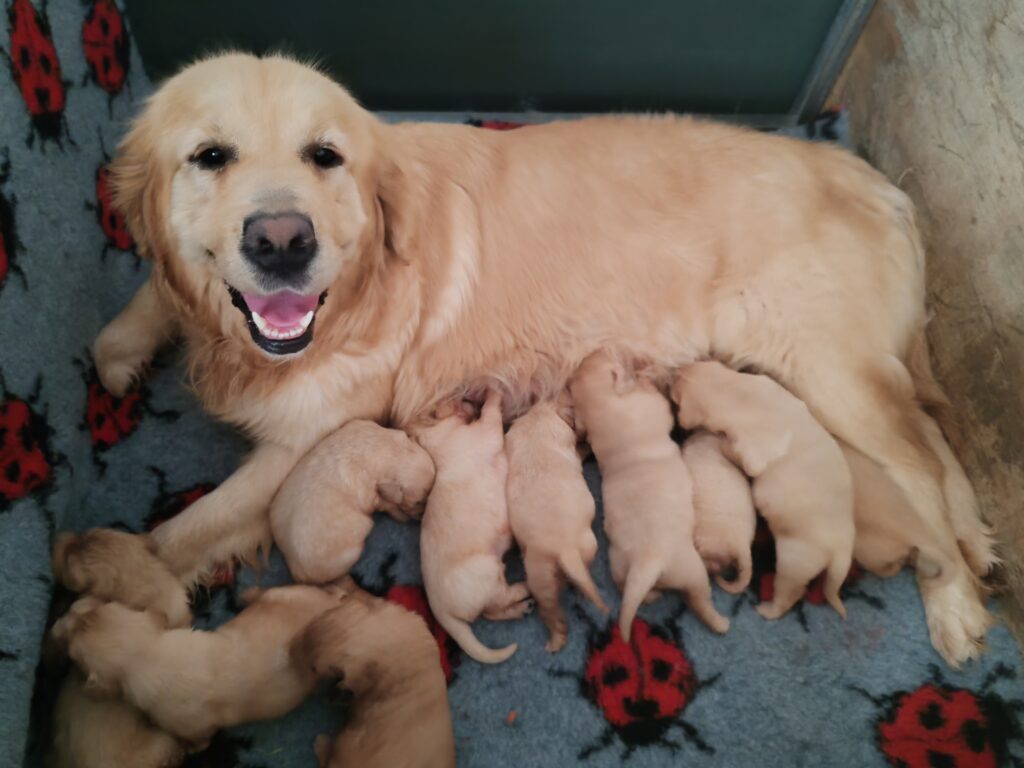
744,572
639,582
573,566
462,634
836,574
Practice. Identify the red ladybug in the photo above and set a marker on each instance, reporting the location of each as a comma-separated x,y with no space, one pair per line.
106,46
641,687
36,70
938,724
9,243
413,597
26,460
495,125
110,219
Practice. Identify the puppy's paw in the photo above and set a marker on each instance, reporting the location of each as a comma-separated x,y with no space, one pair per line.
76,618
957,618
770,611
118,369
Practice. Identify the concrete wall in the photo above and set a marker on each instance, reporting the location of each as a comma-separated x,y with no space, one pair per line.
935,90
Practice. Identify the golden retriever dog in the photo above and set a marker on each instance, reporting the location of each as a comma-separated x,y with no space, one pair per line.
646,489
438,257
324,511
724,510
465,528
111,564
550,511
801,482
91,731
191,684
386,657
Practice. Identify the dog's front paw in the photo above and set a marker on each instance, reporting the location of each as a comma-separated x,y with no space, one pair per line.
118,368
957,618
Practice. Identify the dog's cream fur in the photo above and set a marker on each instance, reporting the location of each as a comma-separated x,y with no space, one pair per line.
646,489
465,529
386,657
801,482
724,509
191,684
457,257
550,511
324,511
91,731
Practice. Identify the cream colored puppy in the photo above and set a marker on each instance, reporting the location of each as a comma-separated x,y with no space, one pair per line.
646,487
192,684
724,508
105,732
801,482
889,534
550,510
465,529
386,656
111,564
324,511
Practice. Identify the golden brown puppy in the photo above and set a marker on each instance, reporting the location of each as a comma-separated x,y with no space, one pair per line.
550,510
111,564
324,511
465,529
446,255
386,656
191,684
646,488
96,731
724,509
801,482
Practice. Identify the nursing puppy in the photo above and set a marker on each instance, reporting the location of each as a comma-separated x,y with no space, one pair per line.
92,731
801,482
191,684
465,528
550,510
386,656
111,564
724,509
646,487
324,511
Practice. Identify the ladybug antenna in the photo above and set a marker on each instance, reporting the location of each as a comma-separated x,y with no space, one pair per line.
583,616
606,739
387,568
936,674
103,147
878,701
37,390
1001,672
5,164
692,735
161,479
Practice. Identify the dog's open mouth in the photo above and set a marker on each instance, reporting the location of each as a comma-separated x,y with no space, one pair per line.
280,323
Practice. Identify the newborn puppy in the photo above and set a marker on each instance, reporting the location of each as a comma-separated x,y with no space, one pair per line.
801,481
110,564
646,487
886,524
386,656
550,510
189,683
324,511
465,529
724,508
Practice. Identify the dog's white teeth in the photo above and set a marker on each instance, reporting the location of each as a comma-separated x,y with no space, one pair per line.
306,320
260,322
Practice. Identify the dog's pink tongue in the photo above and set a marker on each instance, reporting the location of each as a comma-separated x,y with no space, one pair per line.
284,309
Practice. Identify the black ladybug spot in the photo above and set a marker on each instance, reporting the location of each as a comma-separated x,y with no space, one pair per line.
13,472
613,676
43,97
931,717
644,709
104,27
112,220
940,760
106,65
25,435
975,736
25,58
44,63
661,670
101,419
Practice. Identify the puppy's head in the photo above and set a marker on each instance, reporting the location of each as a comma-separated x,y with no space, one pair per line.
252,184
407,478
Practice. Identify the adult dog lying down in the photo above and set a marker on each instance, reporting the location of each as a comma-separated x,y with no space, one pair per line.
323,267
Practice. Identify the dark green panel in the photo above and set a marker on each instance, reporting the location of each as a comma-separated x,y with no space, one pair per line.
719,56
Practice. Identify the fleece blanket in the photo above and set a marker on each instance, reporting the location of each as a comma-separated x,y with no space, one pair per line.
809,689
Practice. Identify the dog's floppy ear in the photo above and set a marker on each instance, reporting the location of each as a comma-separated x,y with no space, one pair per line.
139,184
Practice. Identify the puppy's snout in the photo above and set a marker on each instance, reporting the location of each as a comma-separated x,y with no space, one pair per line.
279,244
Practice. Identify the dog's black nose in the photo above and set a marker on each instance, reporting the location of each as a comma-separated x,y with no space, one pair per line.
279,244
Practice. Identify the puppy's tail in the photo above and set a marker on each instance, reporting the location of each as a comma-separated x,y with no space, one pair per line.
462,633
639,582
744,572
836,574
573,566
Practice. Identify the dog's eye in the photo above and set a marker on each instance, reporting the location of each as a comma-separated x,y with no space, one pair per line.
325,157
213,158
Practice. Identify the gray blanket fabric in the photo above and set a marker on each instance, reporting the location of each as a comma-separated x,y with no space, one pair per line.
809,689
